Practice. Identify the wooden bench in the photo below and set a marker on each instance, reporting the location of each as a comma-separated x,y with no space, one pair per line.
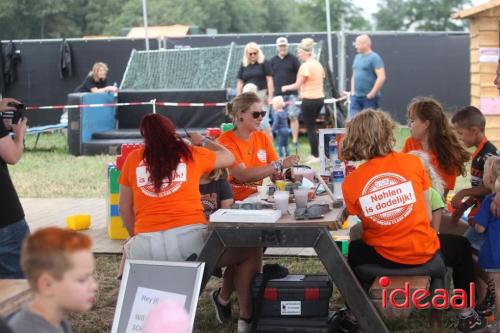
14,294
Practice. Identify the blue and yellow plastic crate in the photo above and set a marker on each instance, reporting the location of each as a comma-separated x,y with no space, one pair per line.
116,229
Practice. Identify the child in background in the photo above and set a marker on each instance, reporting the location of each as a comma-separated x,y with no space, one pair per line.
280,126
431,132
215,191
470,124
59,266
487,223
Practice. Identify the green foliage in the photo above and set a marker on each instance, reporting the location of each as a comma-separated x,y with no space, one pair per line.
421,15
24,19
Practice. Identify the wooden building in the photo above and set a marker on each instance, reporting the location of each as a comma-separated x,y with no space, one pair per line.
484,53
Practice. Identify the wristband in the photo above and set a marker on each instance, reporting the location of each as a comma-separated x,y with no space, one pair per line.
204,142
277,165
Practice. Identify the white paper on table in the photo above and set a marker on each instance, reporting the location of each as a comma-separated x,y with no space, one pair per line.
145,300
245,215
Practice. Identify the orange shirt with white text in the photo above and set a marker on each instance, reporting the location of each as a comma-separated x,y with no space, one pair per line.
387,194
449,177
256,151
177,203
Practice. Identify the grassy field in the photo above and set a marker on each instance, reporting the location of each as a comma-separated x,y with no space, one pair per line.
50,172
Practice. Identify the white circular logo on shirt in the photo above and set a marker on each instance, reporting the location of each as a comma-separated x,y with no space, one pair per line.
262,155
387,198
147,187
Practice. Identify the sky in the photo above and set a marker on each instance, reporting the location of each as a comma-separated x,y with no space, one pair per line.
371,6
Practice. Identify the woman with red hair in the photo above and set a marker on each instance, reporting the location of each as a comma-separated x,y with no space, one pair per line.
161,207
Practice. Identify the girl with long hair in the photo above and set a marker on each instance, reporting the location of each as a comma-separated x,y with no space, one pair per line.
432,132
160,202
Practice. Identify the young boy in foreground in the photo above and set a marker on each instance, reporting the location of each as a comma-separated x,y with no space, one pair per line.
59,266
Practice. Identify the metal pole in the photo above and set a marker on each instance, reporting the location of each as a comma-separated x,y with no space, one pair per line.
329,35
145,18
342,55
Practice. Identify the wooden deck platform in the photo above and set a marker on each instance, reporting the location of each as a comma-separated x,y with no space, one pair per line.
13,295
53,212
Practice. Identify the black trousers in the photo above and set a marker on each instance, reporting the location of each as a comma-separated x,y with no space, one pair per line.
456,252
310,111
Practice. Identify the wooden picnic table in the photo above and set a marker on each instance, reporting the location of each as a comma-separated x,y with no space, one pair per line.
288,232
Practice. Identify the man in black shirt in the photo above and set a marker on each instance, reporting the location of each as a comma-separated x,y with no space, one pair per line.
13,227
285,67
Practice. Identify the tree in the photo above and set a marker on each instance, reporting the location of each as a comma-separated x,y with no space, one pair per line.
422,15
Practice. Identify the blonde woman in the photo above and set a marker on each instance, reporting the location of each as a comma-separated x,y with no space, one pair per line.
310,85
96,82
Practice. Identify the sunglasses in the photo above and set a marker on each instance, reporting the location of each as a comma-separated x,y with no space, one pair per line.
257,114
252,53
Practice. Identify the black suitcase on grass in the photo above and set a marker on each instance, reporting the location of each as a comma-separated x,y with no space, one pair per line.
293,296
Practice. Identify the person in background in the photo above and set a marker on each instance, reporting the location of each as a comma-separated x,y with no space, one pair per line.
470,125
432,132
96,82
256,69
485,222
59,266
310,83
285,67
368,76
13,226
280,126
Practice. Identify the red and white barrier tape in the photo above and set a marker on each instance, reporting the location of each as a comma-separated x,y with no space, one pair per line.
153,102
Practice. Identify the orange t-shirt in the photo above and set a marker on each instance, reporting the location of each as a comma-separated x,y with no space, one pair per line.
449,177
256,151
387,194
314,75
178,203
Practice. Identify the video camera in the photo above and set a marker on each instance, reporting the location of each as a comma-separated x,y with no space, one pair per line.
10,117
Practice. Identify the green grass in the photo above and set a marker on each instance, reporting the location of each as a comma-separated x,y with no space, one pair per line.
100,317
50,172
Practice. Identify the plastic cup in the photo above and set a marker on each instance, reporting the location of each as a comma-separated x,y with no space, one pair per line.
262,190
301,195
280,185
281,201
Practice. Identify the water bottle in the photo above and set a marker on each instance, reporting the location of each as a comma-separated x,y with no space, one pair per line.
338,179
333,149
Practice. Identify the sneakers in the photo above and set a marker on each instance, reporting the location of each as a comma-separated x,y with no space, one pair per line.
344,321
487,306
470,322
244,326
222,313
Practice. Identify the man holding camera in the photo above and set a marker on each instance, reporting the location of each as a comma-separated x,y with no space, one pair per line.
13,227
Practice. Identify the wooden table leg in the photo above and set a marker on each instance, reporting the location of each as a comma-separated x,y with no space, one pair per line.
348,285
210,255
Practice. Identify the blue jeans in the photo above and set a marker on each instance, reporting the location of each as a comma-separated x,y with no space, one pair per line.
11,240
359,103
292,109
282,140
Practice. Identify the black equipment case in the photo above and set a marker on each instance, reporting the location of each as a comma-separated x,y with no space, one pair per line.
293,296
